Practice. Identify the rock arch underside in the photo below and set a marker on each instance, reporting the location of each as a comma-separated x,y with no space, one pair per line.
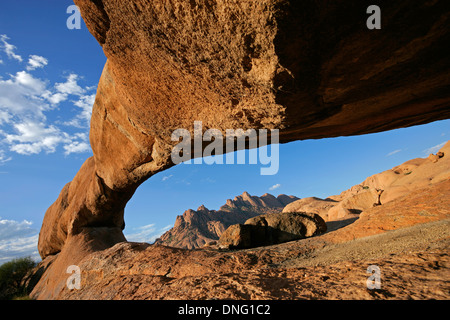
309,68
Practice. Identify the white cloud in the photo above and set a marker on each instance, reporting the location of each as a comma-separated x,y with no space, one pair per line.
148,233
4,117
25,79
166,177
30,132
17,239
275,186
393,152
70,86
435,148
22,95
76,147
27,103
83,118
3,157
35,62
85,103
34,137
55,98
9,48
10,229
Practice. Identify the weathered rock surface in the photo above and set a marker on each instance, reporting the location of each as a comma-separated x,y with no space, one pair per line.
196,228
266,201
270,229
312,204
407,238
396,182
380,188
307,68
310,69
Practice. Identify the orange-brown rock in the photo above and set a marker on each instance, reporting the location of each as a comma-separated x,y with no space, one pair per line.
407,238
312,204
272,228
308,68
196,228
380,188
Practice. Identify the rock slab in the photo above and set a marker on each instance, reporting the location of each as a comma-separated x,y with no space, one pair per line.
272,229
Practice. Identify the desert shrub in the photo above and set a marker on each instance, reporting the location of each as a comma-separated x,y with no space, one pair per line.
11,275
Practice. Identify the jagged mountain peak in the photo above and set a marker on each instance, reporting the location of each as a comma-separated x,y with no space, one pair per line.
193,228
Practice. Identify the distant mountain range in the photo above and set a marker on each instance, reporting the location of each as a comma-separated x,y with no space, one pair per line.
195,228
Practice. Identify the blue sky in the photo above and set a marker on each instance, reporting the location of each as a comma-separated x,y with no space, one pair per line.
48,79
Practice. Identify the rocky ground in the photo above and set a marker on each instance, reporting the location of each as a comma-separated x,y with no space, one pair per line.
407,238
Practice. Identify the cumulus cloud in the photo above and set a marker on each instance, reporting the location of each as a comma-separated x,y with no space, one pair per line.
35,62
9,48
4,117
11,229
20,96
275,186
28,82
71,86
54,98
34,137
435,148
148,233
76,147
17,239
26,104
83,118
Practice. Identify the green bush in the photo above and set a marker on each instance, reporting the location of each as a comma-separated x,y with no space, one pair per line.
12,274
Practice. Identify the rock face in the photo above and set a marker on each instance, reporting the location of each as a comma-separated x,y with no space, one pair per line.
143,271
396,182
380,188
195,229
304,224
312,204
272,229
408,238
265,201
307,68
